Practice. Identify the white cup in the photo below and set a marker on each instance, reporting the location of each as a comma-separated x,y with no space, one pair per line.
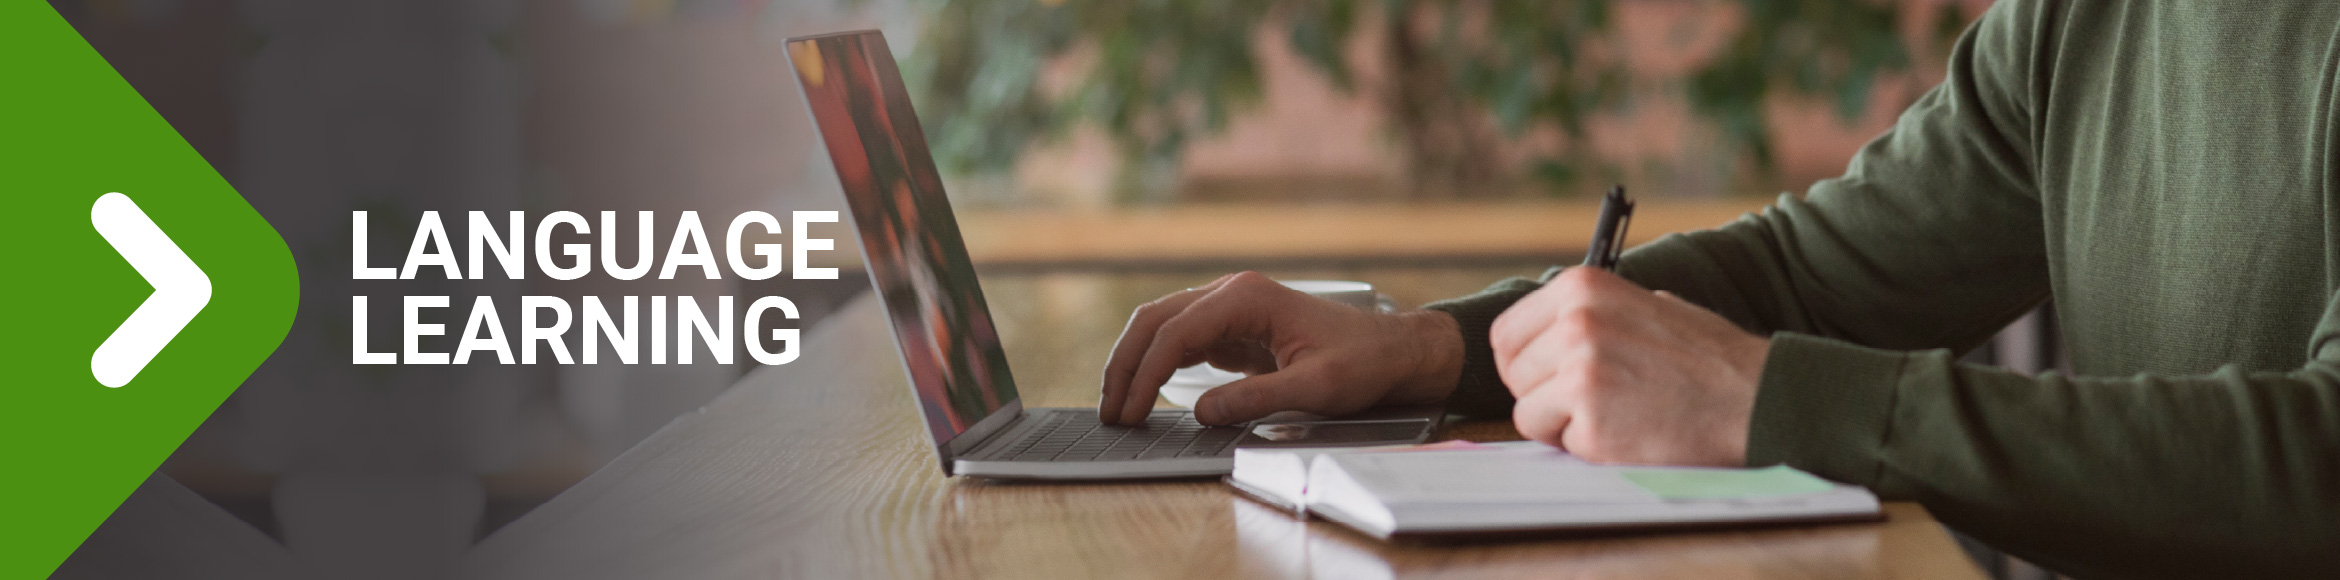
1189,383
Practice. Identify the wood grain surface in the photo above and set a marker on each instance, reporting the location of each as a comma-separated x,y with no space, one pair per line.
820,469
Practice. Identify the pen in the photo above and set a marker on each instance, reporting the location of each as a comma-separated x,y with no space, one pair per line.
1609,235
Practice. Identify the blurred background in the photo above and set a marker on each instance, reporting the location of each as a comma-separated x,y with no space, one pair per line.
1085,104
1099,153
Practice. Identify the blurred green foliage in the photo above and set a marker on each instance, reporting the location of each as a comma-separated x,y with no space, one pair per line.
1458,79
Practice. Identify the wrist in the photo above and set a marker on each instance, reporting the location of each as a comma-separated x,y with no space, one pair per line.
1434,341
1751,354
1748,362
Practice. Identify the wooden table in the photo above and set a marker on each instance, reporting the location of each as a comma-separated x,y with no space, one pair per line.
1257,233
820,469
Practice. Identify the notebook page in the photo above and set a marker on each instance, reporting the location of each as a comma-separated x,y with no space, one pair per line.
1489,477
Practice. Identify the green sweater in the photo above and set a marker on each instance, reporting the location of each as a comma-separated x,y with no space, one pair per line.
2162,170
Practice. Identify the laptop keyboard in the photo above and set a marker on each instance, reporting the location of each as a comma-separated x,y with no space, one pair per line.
1080,437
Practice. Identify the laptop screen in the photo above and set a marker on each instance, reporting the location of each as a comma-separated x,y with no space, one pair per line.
916,259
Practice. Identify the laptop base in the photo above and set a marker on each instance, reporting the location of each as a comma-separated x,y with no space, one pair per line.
1067,444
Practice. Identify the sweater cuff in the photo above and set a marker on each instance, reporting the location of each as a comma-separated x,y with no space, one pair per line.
1479,392
1825,406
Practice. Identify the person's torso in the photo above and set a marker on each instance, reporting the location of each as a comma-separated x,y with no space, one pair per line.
2184,155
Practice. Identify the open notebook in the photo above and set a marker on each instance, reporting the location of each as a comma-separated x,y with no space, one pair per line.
1459,488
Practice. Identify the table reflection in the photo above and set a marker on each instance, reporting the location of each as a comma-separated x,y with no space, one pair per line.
1123,530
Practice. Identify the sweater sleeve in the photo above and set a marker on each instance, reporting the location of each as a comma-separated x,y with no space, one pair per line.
2224,474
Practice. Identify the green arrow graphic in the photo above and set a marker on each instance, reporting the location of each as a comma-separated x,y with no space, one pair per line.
71,132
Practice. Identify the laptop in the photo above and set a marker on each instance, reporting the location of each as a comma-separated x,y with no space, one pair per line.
949,347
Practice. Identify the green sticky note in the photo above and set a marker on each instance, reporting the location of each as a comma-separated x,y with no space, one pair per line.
1776,480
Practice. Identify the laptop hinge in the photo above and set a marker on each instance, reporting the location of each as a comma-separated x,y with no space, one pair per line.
1002,431
982,432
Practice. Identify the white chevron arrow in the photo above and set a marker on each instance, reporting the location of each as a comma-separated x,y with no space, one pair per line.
180,290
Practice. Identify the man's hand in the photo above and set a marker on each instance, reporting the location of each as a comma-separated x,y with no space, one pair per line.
1615,373
1302,353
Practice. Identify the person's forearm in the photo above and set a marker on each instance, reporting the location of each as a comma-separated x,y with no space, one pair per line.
1798,266
2144,476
